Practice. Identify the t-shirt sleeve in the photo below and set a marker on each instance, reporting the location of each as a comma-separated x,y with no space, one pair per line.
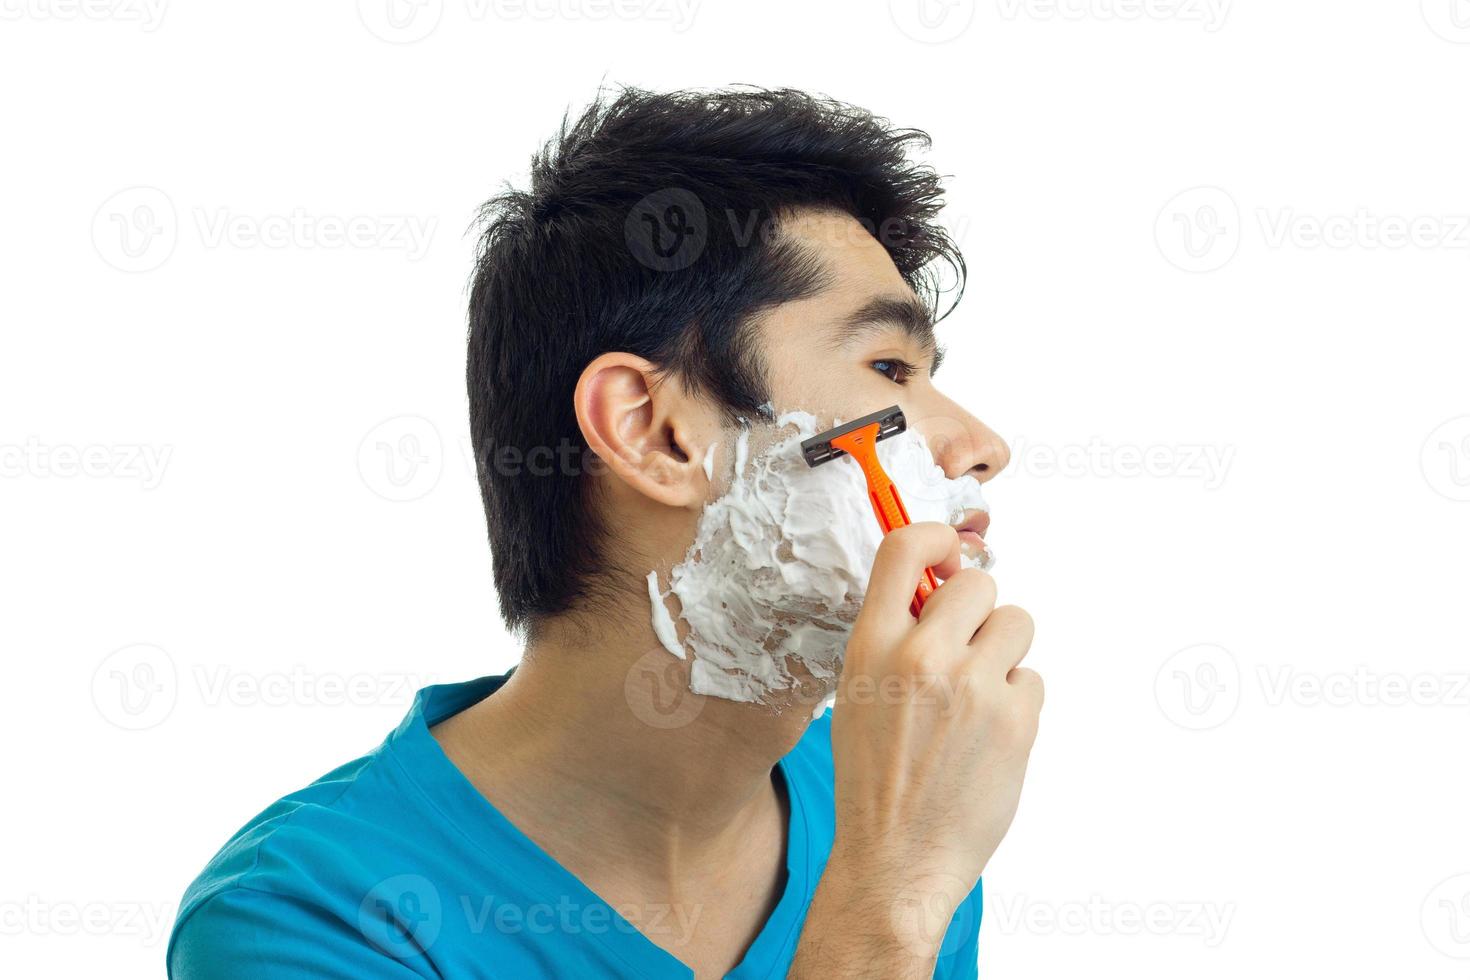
959,956
963,963
246,934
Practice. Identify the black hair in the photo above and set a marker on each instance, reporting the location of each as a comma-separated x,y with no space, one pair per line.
648,228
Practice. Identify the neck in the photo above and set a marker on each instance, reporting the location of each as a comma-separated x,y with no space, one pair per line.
606,728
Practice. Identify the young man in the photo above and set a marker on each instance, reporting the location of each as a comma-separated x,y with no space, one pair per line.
684,268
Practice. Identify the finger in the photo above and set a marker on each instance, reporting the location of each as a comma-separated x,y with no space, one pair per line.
1028,682
958,607
902,557
1004,637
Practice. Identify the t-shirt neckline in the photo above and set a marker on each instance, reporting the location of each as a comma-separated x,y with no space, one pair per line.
445,788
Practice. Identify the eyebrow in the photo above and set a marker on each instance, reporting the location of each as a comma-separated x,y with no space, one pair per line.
883,313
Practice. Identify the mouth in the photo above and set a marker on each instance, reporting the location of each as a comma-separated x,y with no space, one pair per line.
972,525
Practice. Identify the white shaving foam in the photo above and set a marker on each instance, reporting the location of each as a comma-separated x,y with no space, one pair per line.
779,565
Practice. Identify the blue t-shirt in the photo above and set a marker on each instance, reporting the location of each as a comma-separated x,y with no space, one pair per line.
394,865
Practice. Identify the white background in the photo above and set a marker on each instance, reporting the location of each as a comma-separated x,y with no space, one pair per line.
1197,231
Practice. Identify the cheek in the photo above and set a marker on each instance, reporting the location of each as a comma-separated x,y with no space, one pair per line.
833,389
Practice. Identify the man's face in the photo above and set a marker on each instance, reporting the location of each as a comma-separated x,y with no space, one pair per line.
776,569
865,343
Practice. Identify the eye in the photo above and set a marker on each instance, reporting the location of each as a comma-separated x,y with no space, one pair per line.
894,370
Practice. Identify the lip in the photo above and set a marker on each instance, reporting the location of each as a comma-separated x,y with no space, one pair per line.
972,526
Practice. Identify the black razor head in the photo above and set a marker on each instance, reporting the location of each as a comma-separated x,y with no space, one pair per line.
819,449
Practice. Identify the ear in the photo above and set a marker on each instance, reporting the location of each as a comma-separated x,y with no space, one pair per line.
643,429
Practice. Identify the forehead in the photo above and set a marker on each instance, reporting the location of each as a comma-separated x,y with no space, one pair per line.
850,254
861,294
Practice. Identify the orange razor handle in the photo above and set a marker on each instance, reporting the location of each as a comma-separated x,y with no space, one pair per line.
861,445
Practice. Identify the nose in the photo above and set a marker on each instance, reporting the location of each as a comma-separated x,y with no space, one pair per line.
962,444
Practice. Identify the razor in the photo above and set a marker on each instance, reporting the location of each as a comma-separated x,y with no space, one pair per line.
859,439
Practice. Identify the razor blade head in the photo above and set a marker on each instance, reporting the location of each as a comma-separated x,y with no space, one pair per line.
819,449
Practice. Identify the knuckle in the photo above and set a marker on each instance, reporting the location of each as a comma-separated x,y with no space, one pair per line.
912,540
923,656
897,545
1031,681
1015,620
971,578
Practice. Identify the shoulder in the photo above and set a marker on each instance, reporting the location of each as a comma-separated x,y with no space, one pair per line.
284,891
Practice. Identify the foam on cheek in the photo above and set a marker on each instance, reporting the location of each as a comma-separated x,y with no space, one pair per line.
779,564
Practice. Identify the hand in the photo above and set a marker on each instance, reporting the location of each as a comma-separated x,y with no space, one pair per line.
931,733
